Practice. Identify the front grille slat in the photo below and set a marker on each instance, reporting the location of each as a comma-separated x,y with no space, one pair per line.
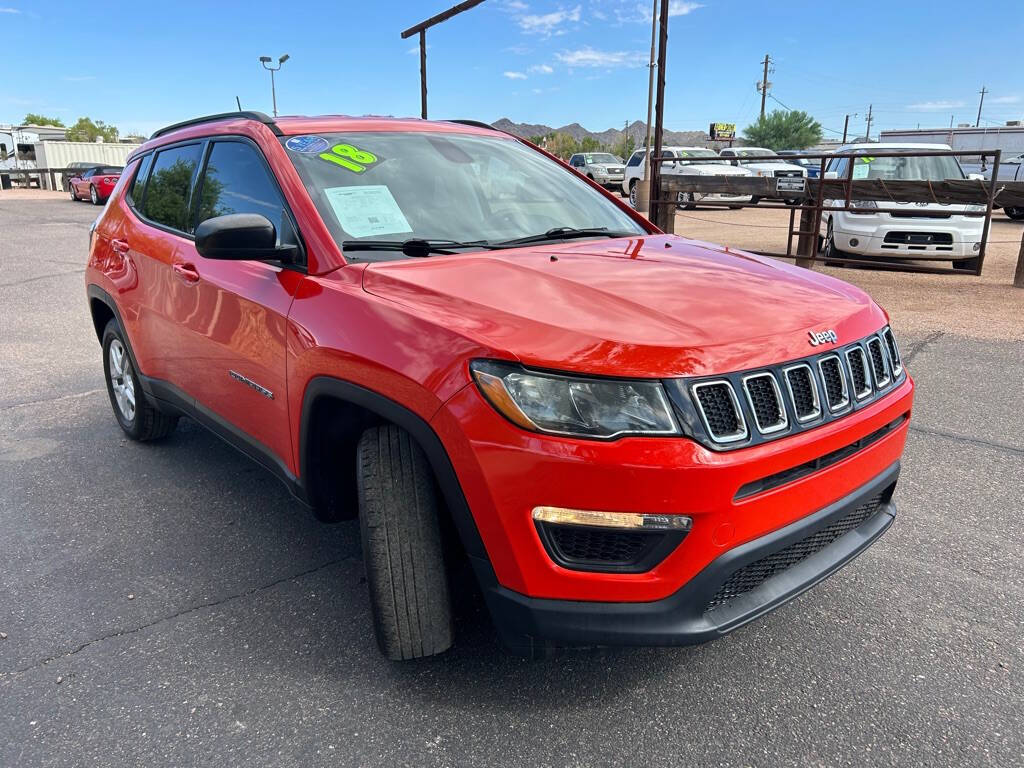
720,408
833,381
858,363
878,367
753,575
894,353
765,399
803,392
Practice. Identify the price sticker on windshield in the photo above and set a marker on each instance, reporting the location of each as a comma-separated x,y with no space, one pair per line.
349,157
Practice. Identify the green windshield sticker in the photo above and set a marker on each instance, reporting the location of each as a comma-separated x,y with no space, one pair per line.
866,159
347,156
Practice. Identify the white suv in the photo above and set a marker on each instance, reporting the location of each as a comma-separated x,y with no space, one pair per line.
763,162
688,161
604,168
926,231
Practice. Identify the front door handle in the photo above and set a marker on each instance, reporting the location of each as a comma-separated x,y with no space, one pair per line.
120,247
186,272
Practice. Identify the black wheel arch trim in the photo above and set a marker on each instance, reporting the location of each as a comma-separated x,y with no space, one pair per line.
338,389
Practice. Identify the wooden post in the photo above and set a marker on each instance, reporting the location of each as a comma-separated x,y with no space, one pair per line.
423,74
1018,276
807,244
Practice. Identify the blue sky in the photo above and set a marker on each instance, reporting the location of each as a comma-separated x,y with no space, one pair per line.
141,65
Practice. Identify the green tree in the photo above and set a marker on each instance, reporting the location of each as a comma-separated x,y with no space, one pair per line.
590,144
624,147
33,119
87,130
563,145
784,130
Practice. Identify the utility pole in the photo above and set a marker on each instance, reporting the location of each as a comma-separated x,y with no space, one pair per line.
868,135
659,122
643,190
763,88
846,125
983,91
421,30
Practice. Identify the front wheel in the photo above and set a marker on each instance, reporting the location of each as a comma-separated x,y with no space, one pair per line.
830,253
402,550
71,189
755,200
139,419
1017,214
685,201
94,195
971,264
633,193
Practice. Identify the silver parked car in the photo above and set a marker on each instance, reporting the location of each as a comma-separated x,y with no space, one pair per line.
604,168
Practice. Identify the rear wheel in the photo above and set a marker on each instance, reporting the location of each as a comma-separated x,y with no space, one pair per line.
685,200
139,419
755,200
632,193
71,189
402,550
93,195
1017,214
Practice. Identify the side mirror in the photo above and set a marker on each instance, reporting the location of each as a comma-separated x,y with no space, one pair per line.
831,174
976,176
241,237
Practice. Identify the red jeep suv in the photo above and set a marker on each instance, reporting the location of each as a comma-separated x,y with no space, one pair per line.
439,328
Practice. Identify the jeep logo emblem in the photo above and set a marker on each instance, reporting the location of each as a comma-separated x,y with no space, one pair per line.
822,337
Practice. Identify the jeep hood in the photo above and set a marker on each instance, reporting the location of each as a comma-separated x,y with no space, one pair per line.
650,306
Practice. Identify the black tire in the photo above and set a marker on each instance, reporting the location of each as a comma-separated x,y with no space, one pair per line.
94,196
633,192
402,550
829,252
1017,214
145,422
971,264
755,200
71,189
792,201
735,207
685,201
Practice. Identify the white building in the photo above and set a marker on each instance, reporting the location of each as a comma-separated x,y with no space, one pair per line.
1009,138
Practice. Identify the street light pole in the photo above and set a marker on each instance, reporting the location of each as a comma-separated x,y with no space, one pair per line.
265,61
643,191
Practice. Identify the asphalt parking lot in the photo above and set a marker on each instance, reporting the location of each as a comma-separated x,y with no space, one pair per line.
170,605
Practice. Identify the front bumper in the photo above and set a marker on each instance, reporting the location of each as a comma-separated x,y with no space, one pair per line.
692,614
958,234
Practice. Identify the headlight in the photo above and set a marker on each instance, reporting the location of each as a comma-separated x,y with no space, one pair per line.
570,405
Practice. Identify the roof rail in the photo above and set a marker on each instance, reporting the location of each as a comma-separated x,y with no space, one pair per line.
259,117
474,123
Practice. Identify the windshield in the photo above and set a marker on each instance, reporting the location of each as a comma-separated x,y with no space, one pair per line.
601,159
700,157
755,153
444,186
907,168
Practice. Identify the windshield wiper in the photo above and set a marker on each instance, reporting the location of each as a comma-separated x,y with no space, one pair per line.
566,233
416,247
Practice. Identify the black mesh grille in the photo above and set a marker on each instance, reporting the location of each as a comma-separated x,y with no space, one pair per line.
749,577
832,377
919,238
594,545
802,387
716,400
857,372
894,354
765,401
877,360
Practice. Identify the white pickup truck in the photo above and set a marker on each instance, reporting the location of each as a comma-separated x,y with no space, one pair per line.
686,161
763,162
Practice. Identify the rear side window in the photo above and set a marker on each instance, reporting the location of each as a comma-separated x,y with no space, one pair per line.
139,182
167,193
237,181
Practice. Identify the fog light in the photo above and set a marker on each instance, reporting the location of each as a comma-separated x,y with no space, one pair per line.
854,242
977,246
628,520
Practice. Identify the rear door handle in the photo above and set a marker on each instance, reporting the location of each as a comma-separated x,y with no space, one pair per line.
186,272
120,247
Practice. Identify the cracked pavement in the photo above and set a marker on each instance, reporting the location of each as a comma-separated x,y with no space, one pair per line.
170,605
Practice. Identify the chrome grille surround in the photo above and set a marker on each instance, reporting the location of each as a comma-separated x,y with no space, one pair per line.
782,421
807,395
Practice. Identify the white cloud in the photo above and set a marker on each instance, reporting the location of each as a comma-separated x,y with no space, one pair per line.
589,57
547,24
515,75
1006,99
416,49
934,106
642,11
516,5
9,10
540,69
78,78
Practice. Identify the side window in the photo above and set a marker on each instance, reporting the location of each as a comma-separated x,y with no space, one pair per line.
839,166
635,159
237,181
139,182
575,161
167,193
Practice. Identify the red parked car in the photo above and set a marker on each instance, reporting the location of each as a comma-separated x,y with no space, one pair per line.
94,183
634,438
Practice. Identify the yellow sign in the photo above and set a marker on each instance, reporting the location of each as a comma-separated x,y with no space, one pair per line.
722,131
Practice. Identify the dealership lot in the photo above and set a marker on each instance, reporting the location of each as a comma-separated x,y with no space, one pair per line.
170,604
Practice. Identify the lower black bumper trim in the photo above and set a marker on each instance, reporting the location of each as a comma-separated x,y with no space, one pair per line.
526,623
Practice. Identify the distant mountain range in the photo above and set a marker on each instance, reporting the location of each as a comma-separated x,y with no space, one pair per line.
636,129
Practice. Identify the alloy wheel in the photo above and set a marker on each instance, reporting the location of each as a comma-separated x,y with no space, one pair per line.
121,379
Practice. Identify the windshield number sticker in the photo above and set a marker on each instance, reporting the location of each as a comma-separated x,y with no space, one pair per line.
347,156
